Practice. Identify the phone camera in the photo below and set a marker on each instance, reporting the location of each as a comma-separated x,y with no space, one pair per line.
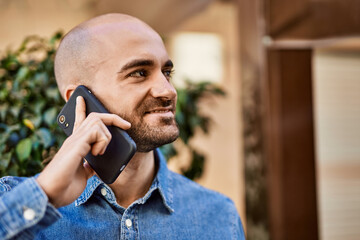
62,119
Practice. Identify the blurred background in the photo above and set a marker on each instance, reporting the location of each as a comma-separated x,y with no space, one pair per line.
284,143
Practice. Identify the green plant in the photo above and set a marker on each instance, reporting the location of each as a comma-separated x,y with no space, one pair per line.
30,102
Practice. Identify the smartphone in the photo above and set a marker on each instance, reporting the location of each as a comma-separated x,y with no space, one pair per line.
121,147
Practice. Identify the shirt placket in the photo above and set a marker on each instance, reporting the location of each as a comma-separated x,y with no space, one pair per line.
129,224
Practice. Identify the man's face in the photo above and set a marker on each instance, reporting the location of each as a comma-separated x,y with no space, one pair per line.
132,75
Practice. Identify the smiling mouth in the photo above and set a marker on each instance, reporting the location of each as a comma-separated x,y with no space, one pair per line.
162,110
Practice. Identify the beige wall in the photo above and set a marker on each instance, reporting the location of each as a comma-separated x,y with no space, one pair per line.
20,18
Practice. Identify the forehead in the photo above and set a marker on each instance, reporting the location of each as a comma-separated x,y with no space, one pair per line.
124,40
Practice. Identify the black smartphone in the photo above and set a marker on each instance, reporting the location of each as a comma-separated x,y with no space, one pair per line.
121,147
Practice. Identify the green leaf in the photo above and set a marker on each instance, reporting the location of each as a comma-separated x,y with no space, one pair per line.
22,73
23,149
53,93
41,78
13,170
4,93
197,166
5,160
45,137
50,116
13,128
11,63
36,121
15,110
39,106
168,150
57,36
2,148
3,111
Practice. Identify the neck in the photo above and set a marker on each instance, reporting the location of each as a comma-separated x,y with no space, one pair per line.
136,179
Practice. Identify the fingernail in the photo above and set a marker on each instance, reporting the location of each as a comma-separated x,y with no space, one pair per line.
129,124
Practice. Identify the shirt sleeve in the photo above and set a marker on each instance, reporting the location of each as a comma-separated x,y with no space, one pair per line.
24,209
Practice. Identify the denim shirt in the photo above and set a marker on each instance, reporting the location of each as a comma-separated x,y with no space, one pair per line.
173,208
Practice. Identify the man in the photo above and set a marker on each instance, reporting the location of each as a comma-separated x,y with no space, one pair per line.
126,65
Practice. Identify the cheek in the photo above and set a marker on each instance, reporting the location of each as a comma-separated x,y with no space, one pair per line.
119,105
125,104
134,95
112,100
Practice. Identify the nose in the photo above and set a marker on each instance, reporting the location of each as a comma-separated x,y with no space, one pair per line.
162,88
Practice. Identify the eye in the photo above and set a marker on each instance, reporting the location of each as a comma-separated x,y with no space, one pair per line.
138,73
168,73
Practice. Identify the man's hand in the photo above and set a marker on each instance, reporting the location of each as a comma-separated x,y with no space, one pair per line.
65,177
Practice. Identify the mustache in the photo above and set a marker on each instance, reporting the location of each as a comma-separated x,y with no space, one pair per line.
152,103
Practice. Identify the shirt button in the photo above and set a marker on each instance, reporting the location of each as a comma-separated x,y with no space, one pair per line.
29,214
128,223
103,192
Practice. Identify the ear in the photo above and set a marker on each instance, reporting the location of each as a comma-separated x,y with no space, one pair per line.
69,90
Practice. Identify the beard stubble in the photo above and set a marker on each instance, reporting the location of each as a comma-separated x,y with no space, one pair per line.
149,137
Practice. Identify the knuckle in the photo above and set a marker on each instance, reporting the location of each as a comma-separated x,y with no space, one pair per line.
92,115
96,128
95,119
109,137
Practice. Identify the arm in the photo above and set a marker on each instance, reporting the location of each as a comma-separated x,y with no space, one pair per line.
24,208
30,206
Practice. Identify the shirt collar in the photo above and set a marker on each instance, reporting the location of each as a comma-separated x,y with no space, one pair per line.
92,184
162,182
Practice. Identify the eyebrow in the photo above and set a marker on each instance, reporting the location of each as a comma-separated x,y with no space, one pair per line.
169,63
143,62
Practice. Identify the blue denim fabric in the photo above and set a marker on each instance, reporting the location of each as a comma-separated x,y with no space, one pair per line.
173,208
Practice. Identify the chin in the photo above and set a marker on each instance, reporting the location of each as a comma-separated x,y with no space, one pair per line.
171,133
151,137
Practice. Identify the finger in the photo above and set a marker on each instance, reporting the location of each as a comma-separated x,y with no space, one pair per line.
102,139
95,123
80,112
114,120
99,147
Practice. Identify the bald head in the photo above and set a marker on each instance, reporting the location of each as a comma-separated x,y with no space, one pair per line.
81,50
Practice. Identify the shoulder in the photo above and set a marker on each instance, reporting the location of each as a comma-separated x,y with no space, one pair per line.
9,182
187,186
188,190
206,208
